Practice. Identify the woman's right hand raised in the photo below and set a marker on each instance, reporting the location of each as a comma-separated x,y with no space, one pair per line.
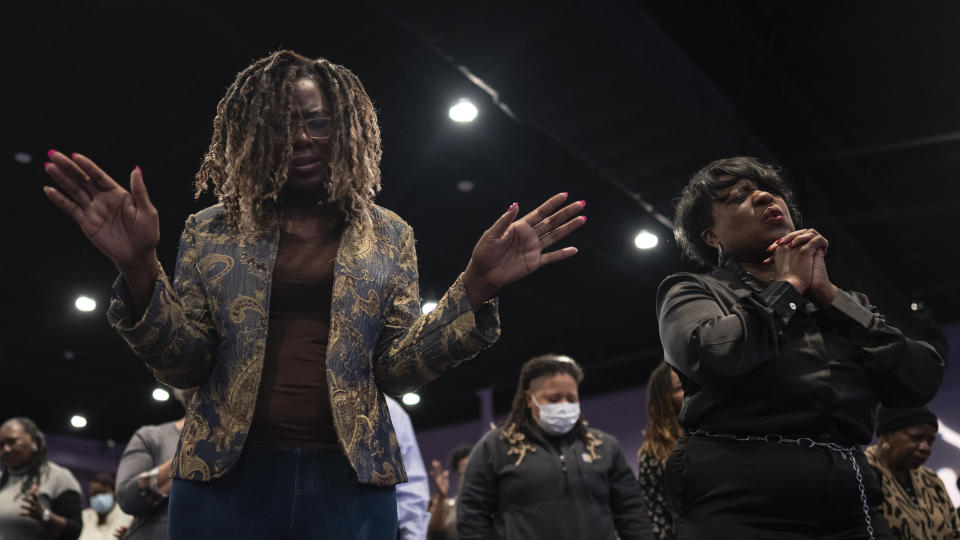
122,224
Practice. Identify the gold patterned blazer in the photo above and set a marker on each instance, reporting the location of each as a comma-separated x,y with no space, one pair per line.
209,329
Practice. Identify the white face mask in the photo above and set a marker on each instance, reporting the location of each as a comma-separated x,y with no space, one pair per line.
557,418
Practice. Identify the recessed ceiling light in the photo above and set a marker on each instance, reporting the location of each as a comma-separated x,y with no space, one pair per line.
427,307
85,303
160,394
646,240
411,399
22,158
463,111
465,186
78,421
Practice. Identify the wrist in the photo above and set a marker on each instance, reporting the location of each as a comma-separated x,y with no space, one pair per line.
478,289
797,283
823,296
142,269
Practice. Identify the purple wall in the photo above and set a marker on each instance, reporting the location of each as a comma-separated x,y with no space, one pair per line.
622,414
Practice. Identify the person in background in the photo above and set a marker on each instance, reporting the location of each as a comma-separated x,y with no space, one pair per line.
39,500
915,501
414,495
545,474
104,517
143,476
664,400
443,510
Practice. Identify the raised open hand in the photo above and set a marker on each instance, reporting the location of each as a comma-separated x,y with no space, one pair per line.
440,477
512,249
122,224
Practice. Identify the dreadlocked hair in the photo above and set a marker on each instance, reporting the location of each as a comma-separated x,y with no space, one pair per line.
38,462
252,145
663,429
547,365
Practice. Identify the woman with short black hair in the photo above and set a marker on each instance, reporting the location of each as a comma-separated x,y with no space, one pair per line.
781,370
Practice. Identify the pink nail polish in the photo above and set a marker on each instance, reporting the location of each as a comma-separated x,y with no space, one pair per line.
584,218
50,152
564,193
138,168
45,163
584,203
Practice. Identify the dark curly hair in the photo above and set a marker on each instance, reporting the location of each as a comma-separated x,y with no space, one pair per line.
695,204
242,165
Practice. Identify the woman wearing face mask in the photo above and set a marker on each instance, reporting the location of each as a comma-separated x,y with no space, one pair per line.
545,474
39,500
104,517
915,501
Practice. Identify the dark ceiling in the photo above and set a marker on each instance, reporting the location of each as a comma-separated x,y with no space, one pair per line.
616,102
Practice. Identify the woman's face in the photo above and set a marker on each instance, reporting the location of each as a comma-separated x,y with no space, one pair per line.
310,170
676,392
746,220
559,388
910,447
18,446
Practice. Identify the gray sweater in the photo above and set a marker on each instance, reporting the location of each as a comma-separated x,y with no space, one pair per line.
57,490
149,447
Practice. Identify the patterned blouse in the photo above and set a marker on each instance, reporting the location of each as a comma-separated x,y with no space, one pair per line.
923,513
650,473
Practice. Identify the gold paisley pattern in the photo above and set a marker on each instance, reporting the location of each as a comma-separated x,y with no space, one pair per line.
208,328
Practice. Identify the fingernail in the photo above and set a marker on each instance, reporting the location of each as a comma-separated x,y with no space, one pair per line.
138,169
564,193
73,155
772,247
584,203
45,163
514,204
584,218
50,152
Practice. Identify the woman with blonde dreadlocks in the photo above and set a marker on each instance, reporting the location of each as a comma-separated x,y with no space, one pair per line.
294,306
545,474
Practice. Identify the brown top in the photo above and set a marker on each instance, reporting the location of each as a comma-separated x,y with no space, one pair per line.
293,406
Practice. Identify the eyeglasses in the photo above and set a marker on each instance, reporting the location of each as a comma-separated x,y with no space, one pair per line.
318,128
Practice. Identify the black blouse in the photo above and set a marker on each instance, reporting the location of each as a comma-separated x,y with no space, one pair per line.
759,359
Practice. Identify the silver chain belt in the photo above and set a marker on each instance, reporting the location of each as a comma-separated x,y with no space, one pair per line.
845,452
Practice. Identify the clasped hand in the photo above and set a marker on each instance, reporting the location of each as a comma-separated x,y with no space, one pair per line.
799,259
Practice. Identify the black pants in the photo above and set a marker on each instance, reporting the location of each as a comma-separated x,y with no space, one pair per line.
720,489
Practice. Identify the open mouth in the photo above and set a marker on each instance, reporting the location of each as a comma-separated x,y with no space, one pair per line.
773,215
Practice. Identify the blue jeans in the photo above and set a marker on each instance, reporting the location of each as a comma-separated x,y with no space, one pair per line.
277,492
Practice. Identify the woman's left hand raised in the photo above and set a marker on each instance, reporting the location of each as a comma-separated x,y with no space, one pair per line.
512,248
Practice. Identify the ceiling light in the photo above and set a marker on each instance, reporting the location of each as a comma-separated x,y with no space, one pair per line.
463,111
85,303
916,306
411,399
427,307
465,186
646,240
22,158
160,394
78,421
